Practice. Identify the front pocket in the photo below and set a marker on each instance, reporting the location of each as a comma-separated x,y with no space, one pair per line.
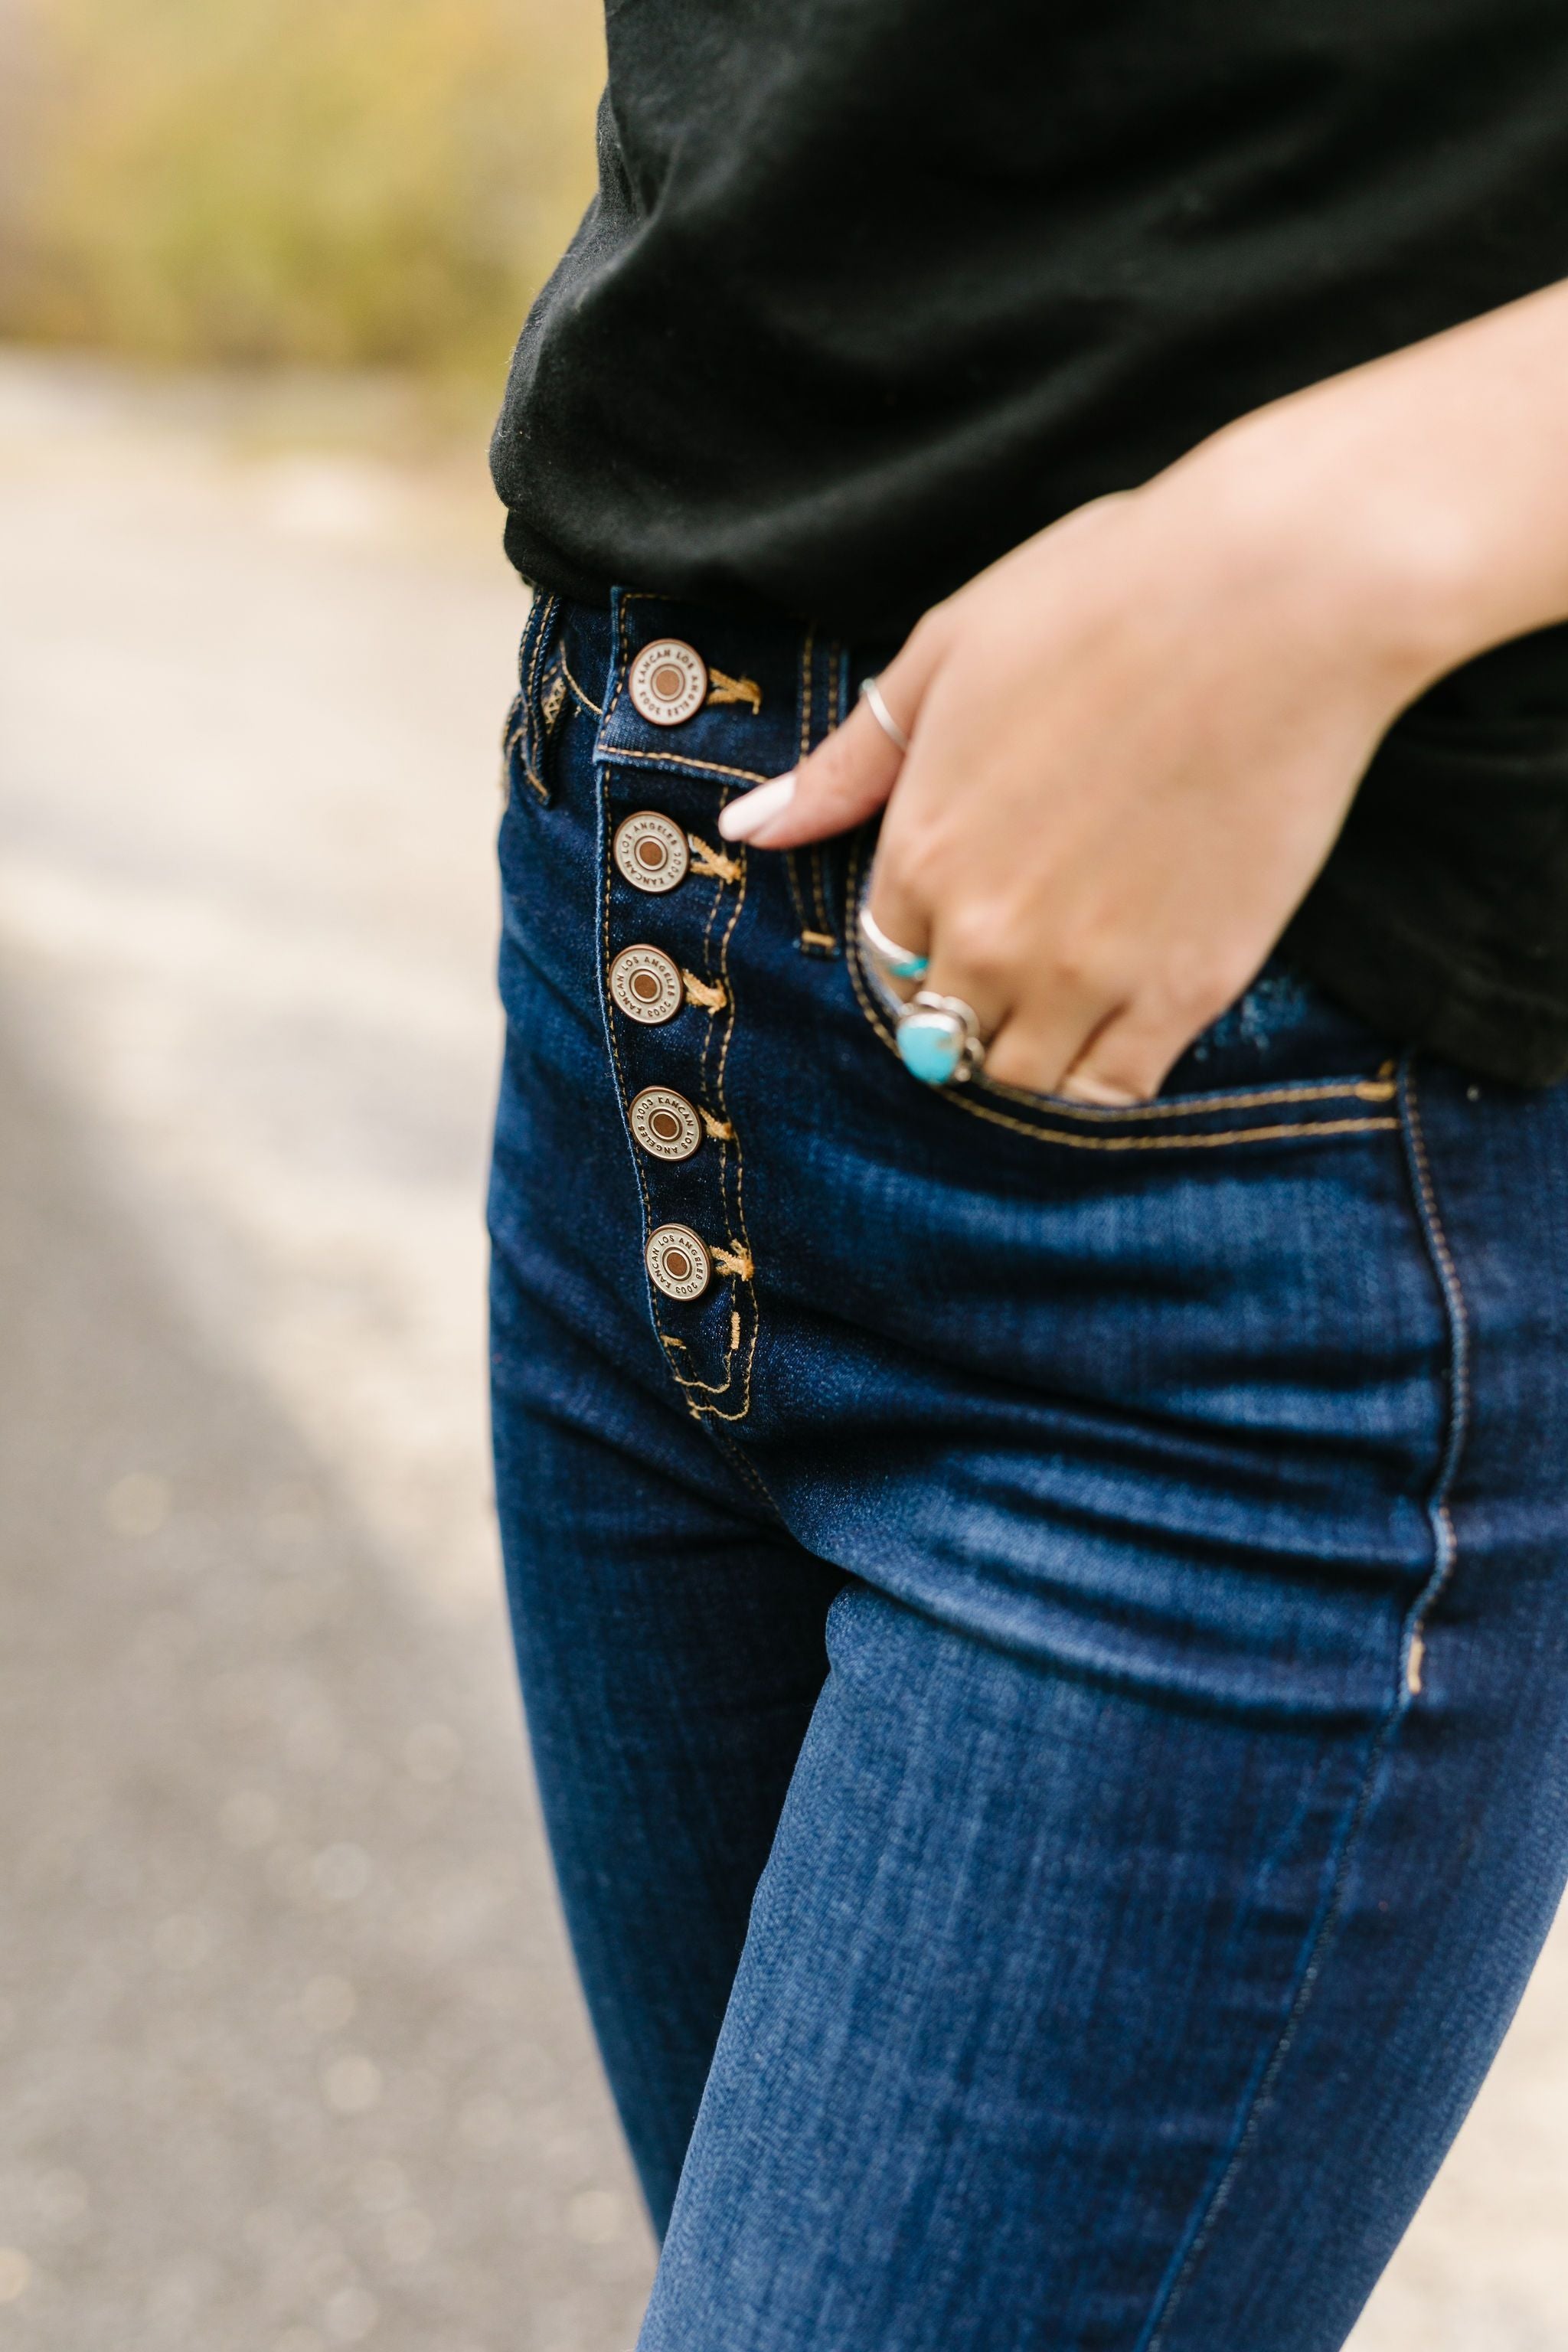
1271,1109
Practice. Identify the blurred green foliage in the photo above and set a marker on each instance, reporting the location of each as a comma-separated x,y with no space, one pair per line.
353,182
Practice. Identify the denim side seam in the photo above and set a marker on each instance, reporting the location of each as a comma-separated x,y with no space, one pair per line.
1316,1950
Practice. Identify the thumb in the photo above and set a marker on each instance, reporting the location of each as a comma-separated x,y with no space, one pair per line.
847,778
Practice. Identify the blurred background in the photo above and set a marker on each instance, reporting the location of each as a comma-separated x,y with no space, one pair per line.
290,2056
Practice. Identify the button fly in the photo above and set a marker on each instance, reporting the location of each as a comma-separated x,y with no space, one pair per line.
665,1123
651,851
678,1263
646,985
668,682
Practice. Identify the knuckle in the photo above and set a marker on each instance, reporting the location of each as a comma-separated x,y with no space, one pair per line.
1080,969
979,942
1064,974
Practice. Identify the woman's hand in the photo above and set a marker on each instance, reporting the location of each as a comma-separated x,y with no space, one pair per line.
1134,739
1132,743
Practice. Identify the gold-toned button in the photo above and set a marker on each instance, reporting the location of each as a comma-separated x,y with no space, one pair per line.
677,1262
646,985
665,1123
668,682
651,851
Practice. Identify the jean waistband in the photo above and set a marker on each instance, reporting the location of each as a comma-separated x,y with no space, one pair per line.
760,692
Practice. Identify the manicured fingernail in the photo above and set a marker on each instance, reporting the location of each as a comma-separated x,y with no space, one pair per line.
744,818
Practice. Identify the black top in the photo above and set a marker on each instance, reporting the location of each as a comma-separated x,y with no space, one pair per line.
873,289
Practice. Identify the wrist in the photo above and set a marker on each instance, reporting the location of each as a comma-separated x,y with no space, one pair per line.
1365,560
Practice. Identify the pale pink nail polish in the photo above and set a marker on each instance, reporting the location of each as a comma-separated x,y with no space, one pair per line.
744,818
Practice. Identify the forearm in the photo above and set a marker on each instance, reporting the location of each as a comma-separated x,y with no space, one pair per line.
1430,488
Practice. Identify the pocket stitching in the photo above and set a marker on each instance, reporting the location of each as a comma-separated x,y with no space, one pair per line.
1040,1130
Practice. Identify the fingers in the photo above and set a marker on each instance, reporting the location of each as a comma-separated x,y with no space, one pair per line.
1125,1061
1052,1026
900,917
1078,1056
1111,1064
1030,1045
1068,1006
845,780
975,980
1090,1030
1128,1057
750,817
1088,1027
850,776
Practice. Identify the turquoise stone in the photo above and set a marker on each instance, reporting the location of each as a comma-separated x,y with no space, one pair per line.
931,1046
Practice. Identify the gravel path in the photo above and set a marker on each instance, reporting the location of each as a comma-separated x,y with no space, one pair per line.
289,2052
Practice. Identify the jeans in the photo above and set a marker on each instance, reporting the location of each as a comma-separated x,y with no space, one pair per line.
1049,1678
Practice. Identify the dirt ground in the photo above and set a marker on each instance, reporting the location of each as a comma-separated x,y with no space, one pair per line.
290,2056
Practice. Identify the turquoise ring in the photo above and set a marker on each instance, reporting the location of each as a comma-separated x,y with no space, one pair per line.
897,962
938,1039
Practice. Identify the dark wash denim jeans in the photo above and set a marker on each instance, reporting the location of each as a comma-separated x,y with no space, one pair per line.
1050,1682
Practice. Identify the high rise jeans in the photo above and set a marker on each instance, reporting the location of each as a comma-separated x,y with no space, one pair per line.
1043,1630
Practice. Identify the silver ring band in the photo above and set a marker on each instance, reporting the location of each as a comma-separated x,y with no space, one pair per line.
871,695
900,963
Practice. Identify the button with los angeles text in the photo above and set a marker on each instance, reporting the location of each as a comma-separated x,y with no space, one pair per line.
668,683
646,985
651,851
677,1262
665,1123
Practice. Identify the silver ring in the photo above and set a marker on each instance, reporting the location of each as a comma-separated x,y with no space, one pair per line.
938,1039
872,697
898,963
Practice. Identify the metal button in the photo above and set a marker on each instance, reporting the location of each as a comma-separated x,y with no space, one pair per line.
677,1262
651,851
668,682
646,985
665,1123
